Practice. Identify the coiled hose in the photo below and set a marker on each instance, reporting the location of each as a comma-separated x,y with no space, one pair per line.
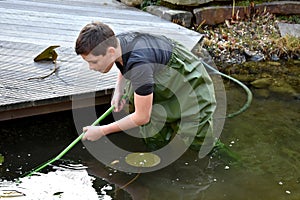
247,90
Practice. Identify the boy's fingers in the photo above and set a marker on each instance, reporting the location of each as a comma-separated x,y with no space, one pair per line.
116,108
119,105
123,101
84,129
83,138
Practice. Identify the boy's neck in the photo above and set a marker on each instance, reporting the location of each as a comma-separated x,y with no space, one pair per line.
119,53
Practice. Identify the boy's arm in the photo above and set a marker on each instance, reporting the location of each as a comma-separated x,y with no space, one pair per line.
141,116
117,100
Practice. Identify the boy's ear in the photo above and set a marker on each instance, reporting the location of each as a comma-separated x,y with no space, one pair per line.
111,50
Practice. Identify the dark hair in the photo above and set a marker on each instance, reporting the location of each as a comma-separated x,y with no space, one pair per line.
95,38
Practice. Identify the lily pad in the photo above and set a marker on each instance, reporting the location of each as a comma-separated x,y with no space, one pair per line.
142,159
47,54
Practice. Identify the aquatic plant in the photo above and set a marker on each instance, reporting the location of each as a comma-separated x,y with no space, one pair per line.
1,159
224,153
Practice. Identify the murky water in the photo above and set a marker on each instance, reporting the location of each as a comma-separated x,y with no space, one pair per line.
266,137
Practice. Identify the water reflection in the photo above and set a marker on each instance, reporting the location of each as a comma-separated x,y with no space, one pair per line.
63,182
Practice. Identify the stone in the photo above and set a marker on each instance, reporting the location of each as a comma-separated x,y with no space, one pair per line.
244,77
218,14
132,3
264,93
262,83
188,2
181,17
289,29
280,86
280,7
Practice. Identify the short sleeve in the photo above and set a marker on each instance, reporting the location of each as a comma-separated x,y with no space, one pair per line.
141,76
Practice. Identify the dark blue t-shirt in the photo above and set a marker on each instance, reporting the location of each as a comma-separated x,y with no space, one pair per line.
143,55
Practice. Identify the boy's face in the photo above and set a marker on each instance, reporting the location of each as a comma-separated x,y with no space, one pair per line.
99,63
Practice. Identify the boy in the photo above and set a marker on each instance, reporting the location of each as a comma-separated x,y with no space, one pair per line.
168,87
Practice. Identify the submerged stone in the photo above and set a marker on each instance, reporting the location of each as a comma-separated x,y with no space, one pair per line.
282,87
265,93
262,82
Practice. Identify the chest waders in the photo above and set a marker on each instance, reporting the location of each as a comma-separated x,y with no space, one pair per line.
184,102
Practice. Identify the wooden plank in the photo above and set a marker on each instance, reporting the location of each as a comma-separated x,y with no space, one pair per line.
28,27
56,106
100,9
66,79
53,25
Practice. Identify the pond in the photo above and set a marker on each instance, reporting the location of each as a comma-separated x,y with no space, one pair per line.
265,137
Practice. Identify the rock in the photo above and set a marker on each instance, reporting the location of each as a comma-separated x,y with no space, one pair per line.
188,2
249,53
132,3
274,63
243,77
290,29
282,87
262,93
217,14
279,7
274,57
296,61
181,17
296,96
254,55
258,57
262,82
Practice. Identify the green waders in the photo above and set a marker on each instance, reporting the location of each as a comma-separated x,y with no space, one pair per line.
184,102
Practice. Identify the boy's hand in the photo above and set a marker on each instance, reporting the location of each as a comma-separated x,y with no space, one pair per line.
118,102
92,133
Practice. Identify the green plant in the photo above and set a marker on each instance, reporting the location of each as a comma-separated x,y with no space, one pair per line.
295,19
1,159
146,3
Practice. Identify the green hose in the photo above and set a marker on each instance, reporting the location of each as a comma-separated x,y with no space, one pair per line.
247,90
104,115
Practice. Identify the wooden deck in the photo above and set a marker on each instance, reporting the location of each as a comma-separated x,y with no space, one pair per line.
28,27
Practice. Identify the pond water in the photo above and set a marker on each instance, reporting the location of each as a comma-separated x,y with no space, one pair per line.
266,138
